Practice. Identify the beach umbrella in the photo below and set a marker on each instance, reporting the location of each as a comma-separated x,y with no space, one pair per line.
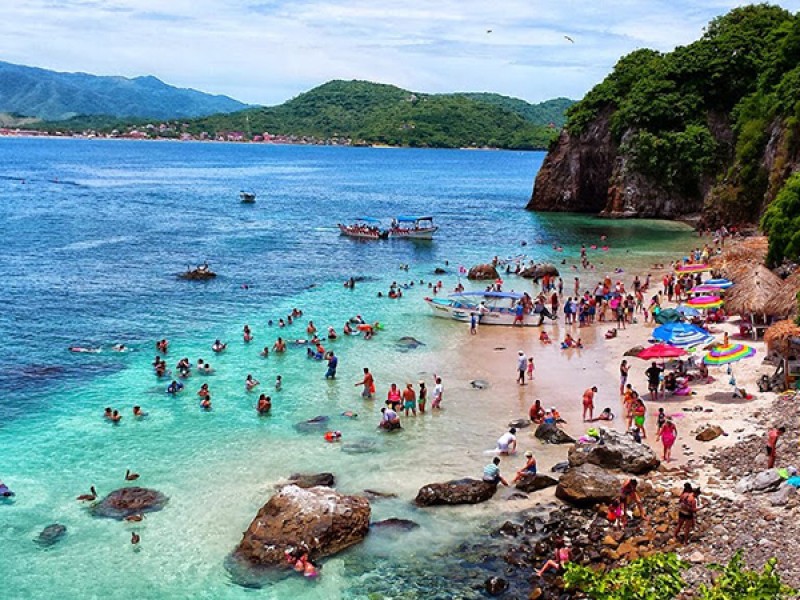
634,351
719,282
687,311
725,355
705,302
684,335
692,268
661,351
668,315
711,290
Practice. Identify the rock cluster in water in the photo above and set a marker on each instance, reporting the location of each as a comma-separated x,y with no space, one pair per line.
125,502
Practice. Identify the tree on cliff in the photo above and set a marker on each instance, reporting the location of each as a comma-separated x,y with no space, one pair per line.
781,222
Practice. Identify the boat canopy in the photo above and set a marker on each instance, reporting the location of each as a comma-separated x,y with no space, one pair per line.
513,295
410,219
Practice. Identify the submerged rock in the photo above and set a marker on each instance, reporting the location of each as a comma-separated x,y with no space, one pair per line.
408,343
319,519
362,446
396,524
616,451
312,480
459,491
534,483
560,467
586,485
552,434
495,586
520,423
125,502
479,384
315,424
375,495
51,535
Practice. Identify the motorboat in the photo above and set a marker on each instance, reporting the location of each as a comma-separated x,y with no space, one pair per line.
365,228
413,228
247,197
493,308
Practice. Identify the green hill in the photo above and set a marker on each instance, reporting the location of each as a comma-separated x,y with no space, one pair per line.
550,111
385,114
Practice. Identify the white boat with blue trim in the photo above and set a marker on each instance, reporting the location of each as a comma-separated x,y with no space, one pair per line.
493,308
413,228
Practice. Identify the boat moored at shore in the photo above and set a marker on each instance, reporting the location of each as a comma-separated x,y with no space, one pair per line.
492,308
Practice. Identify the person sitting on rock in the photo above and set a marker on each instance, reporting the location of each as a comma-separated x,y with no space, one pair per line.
562,557
528,469
491,472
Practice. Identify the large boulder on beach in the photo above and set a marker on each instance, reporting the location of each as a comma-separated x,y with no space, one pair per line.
534,483
763,481
486,271
587,485
125,502
538,271
319,519
552,434
615,451
459,491
304,480
708,433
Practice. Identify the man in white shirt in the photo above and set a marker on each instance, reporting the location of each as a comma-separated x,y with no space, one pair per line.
507,443
438,391
522,363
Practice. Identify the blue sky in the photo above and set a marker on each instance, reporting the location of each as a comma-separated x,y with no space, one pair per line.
266,51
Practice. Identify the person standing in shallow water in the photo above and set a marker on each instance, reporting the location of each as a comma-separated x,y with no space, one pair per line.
422,397
522,365
369,385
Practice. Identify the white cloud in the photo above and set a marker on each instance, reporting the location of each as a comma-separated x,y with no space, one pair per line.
264,51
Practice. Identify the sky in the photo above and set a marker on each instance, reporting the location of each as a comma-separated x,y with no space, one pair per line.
267,51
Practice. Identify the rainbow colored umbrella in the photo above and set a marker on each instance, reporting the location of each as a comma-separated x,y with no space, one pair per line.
710,290
705,302
692,268
661,351
724,355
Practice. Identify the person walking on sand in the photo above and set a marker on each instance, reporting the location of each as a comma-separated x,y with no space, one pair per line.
623,376
653,380
369,385
522,365
687,509
639,412
668,433
588,403
531,368
772,444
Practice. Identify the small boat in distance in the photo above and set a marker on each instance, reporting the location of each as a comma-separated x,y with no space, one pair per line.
413,228
493,308
247,197
365,228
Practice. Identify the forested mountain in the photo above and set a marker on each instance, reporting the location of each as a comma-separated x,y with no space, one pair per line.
51,95
385,114
711,128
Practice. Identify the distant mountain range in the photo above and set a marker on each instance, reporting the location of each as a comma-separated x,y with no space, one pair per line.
376,113
52,96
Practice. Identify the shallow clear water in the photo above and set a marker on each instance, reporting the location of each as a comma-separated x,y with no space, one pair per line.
93,234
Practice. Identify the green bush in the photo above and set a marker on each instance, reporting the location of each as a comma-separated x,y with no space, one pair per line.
781,223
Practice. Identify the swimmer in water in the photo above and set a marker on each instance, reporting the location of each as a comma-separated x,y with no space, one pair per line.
138,413
205,403
107,413
264,404
246,334
115,417
218,346
265,352
135,538
250,383
278,383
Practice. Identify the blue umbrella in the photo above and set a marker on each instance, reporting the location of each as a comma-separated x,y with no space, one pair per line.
683,335
687,311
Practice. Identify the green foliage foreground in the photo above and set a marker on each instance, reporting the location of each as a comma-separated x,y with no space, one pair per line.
659,577
781,222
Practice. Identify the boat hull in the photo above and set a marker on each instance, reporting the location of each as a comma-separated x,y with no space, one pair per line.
447,309
414,234
361,234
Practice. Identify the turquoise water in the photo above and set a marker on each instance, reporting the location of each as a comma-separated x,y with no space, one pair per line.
94,233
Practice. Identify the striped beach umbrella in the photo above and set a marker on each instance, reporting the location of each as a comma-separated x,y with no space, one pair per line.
705,302
720,283
692,268
710,290
724,355
687,311
683,335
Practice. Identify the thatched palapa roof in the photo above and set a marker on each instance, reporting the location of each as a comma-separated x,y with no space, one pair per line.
755,287
784,303
779,335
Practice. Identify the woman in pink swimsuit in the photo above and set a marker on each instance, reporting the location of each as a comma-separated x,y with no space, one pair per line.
668,434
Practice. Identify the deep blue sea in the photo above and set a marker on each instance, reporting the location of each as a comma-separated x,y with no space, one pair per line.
93,235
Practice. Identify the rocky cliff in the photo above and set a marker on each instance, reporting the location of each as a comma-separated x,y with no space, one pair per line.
710,129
